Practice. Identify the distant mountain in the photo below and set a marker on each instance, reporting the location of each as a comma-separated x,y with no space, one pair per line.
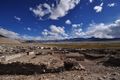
93,39
75,40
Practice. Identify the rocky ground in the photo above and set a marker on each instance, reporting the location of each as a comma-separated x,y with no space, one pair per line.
35,62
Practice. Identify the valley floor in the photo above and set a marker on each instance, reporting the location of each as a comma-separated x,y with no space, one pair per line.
38,62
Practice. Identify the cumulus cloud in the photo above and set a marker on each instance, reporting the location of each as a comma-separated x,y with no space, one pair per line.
54,12
55,29
76,25
54,33
111,5
77,31
17,18
40,12
99,30
102,30
98,8
27,37
63,7
14,35
68,22
9,34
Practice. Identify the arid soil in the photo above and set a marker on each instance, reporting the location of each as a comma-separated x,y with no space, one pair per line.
7,40
36,62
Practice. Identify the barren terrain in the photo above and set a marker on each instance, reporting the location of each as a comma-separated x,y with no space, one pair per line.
60,61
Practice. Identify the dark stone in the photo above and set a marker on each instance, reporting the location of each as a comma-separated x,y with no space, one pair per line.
112,61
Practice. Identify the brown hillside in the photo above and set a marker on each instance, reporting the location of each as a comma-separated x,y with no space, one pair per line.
7,40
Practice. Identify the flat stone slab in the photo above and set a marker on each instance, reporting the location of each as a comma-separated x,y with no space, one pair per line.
77,56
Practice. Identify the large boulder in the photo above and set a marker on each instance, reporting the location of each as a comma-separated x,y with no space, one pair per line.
71,64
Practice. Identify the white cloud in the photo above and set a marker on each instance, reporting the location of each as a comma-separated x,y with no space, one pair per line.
45,32
111,30
98,8
111,5
76,25
55,29
54,33
9,34
17,18
14,35
68,22
101,30
77,31
27,37
63,7
53,12
40,12
28,28
91,1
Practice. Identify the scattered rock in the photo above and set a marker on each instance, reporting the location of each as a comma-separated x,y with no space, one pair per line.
104,77
30,53
38,53
113,79
73,65
2,58
99,78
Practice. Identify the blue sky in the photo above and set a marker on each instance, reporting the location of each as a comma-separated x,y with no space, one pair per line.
59,19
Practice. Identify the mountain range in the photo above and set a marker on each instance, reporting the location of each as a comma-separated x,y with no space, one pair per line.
4,39
75,40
